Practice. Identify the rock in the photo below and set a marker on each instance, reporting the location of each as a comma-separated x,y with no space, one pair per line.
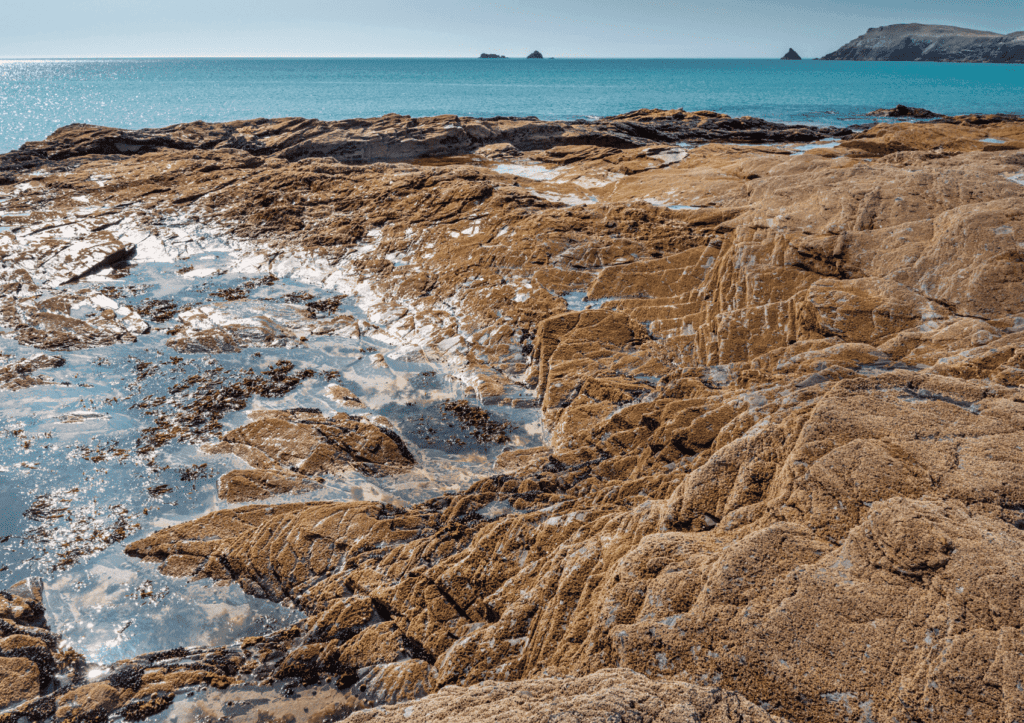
18,375
246,485
935,43
490,55
792,55
83,258
780,395
535,54
903,111
345,396
393,138
610,694
311,444
19,680
28,651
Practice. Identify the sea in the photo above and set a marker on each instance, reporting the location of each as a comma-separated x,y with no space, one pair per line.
39,96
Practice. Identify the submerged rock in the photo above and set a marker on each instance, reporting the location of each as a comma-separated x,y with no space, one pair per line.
18,375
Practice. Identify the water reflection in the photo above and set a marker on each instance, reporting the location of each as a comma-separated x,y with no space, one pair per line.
76,484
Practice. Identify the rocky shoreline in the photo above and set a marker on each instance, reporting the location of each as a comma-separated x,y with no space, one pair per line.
775,372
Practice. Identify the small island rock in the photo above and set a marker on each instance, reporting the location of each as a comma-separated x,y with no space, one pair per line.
903,111
491,55
535,54
792,55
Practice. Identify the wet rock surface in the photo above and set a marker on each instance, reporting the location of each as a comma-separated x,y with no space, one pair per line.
394,138
904,111
779,476
31,664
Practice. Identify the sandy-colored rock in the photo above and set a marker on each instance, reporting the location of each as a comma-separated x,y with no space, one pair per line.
610,694
345,396
307,443
781,391
245,485
19,680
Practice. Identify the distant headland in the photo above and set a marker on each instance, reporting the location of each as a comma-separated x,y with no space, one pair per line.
936,43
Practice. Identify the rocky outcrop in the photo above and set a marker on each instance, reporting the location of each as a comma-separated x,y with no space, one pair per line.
535,54
491,55
792,55
903,111
781,391
392,138
290,450
935,43
611,694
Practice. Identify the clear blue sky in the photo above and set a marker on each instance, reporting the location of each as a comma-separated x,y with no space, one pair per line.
453,28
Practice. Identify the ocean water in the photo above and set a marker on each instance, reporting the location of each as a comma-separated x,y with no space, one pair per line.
39,96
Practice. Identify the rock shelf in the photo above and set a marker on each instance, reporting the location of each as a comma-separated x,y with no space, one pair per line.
778,372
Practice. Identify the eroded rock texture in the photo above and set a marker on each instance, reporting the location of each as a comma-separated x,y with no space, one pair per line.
606,695
782,391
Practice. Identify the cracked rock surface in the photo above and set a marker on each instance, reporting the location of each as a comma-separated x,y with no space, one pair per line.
781,475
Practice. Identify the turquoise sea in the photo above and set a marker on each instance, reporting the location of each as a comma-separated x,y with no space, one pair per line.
38,96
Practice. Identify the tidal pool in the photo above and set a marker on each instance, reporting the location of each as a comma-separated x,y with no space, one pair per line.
86,465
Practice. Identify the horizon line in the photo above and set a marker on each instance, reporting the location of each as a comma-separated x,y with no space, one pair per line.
382,57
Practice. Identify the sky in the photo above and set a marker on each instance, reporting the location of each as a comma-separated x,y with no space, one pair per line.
466,28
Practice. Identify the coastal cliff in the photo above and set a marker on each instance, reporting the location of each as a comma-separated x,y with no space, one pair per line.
936,43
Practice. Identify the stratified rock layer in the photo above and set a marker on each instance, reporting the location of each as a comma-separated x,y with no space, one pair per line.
611,694
785,426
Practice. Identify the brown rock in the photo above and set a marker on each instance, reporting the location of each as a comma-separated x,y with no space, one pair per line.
781,392
611,694
311,444
245,485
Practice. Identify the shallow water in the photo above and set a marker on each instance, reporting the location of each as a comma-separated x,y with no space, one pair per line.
75,486
39,96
